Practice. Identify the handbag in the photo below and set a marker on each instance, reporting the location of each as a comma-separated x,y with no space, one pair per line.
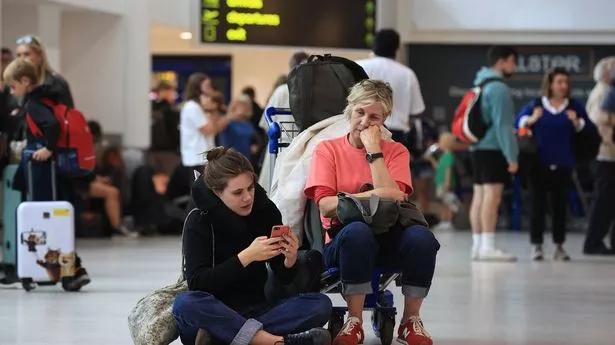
151,321
379,213
527,143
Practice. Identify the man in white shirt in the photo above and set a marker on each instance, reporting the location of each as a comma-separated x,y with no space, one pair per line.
407,98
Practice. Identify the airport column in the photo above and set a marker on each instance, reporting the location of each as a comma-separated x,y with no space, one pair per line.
137,74
49,18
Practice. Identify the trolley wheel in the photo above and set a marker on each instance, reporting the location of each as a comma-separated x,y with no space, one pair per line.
28,284
66,285
336,323
387,329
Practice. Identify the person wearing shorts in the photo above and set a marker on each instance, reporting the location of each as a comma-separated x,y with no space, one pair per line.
494,155
446,183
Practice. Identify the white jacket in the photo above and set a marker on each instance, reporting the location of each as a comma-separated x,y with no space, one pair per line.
292,168
279,99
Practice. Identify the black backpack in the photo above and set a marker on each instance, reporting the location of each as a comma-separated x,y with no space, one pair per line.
318,88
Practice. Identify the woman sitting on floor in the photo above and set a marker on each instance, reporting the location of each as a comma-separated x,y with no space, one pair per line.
226,250
346,164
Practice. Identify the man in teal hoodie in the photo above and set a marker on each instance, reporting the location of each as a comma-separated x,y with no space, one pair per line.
495,155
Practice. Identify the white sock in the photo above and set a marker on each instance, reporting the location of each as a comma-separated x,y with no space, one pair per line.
488,241
476,241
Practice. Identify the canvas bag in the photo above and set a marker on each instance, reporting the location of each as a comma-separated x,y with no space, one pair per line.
380,214
151,321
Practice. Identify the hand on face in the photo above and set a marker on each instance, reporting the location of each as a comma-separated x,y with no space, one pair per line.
370,137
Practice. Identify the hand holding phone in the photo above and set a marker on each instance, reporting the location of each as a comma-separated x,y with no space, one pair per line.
280,230
288,242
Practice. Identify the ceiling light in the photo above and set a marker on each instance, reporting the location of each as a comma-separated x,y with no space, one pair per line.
186,35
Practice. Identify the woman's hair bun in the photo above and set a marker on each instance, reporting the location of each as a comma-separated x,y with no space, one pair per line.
215,153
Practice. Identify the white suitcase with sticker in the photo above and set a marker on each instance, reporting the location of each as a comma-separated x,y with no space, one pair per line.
46,243
45,239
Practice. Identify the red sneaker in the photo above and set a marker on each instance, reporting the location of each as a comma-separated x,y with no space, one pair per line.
351,334
412,332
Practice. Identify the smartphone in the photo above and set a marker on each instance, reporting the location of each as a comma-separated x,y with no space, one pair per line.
279,230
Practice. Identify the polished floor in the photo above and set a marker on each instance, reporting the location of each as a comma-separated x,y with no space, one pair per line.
470,303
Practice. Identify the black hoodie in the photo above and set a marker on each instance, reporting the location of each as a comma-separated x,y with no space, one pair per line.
227,279
42,115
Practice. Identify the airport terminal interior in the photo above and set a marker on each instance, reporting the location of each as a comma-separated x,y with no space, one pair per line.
307,172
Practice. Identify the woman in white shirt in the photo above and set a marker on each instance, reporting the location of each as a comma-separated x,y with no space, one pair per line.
198,128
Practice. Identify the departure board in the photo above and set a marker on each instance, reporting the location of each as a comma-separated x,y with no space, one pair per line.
299,23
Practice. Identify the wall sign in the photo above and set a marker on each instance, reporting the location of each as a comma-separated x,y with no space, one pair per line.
446,72
299,23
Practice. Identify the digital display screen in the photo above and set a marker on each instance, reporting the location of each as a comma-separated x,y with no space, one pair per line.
299,23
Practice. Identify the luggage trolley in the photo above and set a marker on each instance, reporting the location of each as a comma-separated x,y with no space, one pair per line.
281,133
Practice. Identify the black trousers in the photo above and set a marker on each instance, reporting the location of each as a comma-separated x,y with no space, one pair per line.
549,186
603,212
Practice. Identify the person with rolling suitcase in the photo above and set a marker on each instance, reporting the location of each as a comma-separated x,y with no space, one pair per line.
36,175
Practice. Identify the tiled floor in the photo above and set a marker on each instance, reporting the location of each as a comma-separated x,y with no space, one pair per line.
470,303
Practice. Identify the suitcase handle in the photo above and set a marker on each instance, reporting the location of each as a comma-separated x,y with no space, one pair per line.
30,181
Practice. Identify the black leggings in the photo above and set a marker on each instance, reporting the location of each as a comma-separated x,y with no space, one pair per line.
551,184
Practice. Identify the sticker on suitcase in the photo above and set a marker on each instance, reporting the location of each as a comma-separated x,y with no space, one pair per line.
46,251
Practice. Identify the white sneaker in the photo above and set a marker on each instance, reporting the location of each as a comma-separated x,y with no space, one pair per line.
538,254
474,253
495,255
444,227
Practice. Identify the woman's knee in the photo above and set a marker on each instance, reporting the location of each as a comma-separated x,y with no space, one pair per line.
420,238
185,302
357,235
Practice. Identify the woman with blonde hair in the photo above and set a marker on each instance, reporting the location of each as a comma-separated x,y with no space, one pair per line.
347,164
602,216
32,49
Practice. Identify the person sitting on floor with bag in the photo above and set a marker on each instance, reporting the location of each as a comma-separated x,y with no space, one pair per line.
227,250
345,165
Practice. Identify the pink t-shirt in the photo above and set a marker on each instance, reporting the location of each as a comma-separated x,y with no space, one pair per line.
339,166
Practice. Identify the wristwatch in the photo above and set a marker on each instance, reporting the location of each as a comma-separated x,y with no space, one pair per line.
371,157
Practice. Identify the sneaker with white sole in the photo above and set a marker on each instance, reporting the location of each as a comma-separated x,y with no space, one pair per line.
351,334
474,253
560,254
495,255
538,254
444,227
412,332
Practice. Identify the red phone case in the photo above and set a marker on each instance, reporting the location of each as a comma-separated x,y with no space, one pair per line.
279,230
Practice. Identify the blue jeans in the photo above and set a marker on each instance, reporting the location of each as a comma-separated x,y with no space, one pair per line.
356,251
194,309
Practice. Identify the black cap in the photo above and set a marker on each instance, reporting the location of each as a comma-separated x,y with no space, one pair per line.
386,43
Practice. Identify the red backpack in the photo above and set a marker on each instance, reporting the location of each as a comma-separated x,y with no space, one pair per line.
468,124
75,153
